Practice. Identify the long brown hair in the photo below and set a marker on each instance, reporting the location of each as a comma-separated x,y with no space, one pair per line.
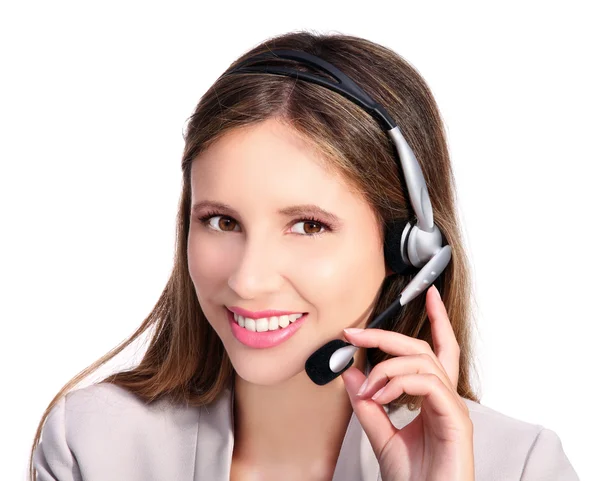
185,359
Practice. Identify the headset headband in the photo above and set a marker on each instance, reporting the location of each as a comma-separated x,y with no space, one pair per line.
345,86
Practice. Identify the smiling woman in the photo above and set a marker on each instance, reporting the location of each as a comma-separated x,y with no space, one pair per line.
289,190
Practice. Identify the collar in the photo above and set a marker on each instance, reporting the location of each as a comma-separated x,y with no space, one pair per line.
214,449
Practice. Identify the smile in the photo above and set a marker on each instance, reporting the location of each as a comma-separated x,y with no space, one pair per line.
264,324
257,333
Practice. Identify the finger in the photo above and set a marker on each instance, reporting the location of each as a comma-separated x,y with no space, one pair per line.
386,371
445,345
439,400
372,416
392,342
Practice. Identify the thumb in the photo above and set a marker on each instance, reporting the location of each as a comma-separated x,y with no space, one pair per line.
373,418
353,379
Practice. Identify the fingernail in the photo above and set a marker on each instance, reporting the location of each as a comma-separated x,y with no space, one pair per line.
353,330
437,293
363,387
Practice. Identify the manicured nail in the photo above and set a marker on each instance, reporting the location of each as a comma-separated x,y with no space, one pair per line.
353,330
363,387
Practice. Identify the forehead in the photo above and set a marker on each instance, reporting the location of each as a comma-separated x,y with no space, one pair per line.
269,158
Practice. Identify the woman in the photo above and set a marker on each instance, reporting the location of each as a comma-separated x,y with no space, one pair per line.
289,192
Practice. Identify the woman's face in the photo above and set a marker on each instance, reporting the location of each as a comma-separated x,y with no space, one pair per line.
255,257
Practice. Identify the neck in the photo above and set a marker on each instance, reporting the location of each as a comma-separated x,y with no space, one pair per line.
295,425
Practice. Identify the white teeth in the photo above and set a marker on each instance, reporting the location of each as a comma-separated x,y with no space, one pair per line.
266,323
262,324
284,321
250,324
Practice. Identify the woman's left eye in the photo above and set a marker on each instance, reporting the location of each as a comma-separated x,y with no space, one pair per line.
312,223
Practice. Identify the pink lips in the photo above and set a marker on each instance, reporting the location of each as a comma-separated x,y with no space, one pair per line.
261,340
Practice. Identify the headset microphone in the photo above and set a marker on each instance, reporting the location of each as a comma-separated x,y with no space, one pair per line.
409,249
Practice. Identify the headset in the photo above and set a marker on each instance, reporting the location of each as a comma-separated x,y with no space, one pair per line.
418,249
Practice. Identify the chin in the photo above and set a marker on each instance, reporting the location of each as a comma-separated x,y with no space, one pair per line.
265,369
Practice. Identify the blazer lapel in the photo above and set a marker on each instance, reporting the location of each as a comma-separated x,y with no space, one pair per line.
214,447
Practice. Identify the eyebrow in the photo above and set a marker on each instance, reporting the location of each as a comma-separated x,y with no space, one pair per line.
293,210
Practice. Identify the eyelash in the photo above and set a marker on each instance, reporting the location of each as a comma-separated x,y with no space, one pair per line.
204,219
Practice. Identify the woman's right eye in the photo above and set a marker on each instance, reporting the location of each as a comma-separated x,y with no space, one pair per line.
220,225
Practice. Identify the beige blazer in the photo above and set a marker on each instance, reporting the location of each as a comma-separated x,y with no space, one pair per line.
104,433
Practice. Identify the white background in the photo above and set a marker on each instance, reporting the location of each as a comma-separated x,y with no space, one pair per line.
93,102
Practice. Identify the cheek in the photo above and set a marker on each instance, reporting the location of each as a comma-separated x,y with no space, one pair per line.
344,285
345,278
206,262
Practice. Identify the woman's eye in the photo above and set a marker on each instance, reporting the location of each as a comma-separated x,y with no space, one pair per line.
310,227
224,223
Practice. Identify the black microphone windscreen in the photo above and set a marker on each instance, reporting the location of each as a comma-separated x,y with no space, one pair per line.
317,365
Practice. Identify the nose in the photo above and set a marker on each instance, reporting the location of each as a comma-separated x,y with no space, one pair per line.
256,274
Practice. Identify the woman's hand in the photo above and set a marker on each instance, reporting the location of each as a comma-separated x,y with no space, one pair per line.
438,444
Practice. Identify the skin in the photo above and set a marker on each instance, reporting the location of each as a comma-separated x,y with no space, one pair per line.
256,258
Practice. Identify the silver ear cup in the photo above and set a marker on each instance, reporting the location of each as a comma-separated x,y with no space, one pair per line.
421,245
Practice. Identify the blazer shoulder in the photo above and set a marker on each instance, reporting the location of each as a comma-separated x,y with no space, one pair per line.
103,431
509,448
